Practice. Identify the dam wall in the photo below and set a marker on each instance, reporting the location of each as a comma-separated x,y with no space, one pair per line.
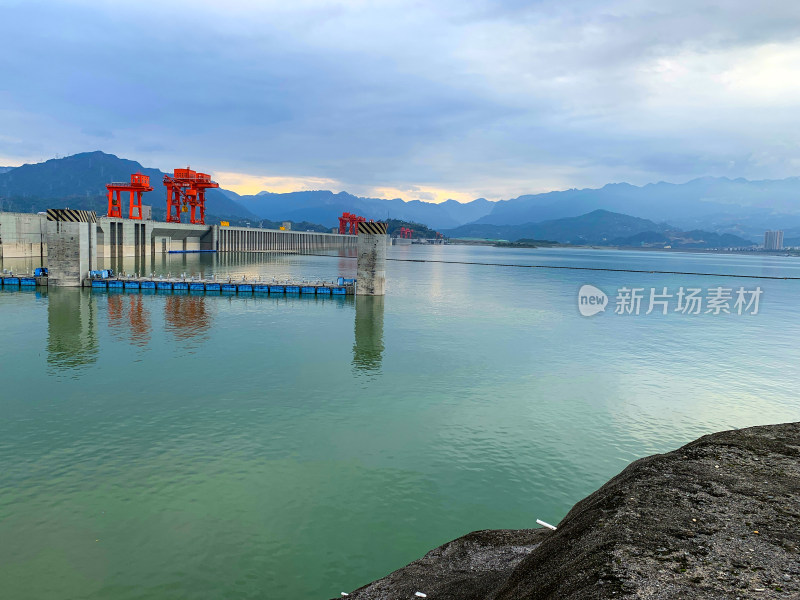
25,235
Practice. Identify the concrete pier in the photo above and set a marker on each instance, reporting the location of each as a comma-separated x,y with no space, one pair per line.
72,246
371,259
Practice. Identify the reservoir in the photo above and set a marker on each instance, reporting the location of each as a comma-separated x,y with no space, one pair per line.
171,445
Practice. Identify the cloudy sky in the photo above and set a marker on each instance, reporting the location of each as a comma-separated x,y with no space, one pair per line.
430,100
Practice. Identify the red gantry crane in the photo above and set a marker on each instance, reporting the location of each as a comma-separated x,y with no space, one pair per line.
406,233
348,223
138,185
185,189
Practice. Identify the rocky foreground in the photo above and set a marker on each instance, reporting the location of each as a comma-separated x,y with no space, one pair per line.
718,518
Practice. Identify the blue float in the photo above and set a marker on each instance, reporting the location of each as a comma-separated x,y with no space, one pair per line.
292,289
212,287
245,287
308,289
148,285
197,287
229,287
324,290
277,289
27,281
132,285
261,288
99,283
164,285
339,291
180,285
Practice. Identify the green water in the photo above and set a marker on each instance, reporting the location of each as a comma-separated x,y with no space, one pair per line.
175,446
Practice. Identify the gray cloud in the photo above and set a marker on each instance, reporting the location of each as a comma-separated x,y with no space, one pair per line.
494,98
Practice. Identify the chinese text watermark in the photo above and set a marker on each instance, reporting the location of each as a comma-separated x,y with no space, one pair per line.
683,300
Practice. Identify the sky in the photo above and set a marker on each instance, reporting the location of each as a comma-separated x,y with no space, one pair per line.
424,100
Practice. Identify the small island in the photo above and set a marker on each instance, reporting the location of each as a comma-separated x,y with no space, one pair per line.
527,243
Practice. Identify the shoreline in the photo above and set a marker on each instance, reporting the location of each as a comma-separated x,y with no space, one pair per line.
493,244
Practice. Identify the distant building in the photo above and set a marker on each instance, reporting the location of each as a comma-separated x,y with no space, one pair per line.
773,240
147,212
287,225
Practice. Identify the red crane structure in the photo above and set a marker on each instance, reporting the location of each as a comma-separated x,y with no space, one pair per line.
187,189
406,233
348,223
138,185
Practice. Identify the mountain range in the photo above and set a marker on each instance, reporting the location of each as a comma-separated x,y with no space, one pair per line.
79,181
737,206
603,227
326,206
712,204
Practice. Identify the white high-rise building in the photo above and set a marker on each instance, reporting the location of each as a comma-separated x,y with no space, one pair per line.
773,240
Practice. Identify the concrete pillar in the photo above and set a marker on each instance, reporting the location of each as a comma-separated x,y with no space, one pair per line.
128,229
371,278
72,246
103,239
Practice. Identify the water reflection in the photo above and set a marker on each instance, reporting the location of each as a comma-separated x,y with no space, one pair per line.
186,315
127,316
368,347
139,318
72,328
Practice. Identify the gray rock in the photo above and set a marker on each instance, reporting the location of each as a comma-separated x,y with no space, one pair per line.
673,526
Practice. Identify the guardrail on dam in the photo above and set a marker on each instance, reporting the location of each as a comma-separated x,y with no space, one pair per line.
24,235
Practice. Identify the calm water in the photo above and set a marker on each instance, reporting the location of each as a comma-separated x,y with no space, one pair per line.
174,446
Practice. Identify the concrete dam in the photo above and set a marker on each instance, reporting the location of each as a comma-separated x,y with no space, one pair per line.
25,235
75,242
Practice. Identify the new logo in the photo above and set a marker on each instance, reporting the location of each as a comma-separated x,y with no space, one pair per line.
591,300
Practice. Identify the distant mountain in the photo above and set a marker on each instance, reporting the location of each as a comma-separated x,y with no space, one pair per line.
738,206
232,195
418,230
601,227
735,206
596,226
711,204
79,181
323,206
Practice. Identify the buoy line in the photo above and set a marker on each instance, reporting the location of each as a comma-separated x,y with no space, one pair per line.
571,268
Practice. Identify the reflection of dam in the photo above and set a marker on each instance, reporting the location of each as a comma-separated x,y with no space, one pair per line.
72,328
368,347
186,316
127,314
